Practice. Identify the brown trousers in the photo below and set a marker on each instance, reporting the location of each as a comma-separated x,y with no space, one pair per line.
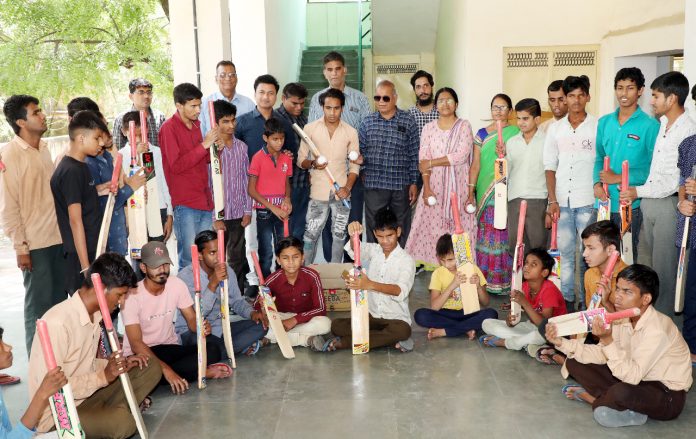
383,332
105,414
650,398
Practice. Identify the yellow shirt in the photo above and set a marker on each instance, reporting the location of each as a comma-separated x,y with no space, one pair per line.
593,275
442,278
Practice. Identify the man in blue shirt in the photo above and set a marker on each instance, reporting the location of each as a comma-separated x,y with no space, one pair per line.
226,79
389,143
626,134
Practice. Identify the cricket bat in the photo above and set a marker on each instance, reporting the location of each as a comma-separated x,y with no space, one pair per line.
225,302
500,200
679,292
274,320
596,298
581,322
468,292
518,263
109,210
604,207
626,218
359,310
200,333
319,157
555,254
216,170
133,403
62,403
135,212
152,203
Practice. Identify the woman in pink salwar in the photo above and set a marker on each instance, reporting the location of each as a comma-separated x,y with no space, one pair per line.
445,156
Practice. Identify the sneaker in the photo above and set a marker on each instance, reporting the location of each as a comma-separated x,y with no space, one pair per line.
609,417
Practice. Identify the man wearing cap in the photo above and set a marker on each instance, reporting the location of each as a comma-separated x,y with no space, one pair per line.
140,93
148,316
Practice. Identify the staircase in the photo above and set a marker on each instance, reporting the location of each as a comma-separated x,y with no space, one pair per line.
312,69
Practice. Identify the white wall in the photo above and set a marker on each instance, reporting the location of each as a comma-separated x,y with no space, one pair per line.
690,50
332,24
285,38
248,29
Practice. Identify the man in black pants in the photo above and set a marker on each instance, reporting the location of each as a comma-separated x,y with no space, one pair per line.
148,317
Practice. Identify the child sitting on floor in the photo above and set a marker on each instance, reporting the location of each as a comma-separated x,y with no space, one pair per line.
600,240
539,298
445,318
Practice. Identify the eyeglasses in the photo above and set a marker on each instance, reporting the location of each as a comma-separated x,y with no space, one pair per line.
499,107
227,75
382,98
143,92
448,101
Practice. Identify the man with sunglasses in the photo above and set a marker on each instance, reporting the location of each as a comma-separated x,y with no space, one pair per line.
140,93
389,144
226,79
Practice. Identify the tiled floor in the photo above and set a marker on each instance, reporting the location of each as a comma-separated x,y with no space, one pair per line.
445,388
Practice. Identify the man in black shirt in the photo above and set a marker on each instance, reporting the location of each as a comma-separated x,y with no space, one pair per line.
75,196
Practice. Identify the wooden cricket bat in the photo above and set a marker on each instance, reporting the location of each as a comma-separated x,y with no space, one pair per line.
500,200
225,302
200,333
152,203
274,320
133,403
679,292
626,218
463,255
581,322
135,212
62,403
555,254
518,263
109,210
317,155
604,207
216,170
359,309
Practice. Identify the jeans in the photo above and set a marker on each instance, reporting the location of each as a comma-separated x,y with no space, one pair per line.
570,225
269,230
689,328
187,224
317,213
300,201
357,203
244,334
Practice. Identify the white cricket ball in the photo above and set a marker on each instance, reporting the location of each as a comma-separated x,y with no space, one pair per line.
470,208
432,201
353,155
321,160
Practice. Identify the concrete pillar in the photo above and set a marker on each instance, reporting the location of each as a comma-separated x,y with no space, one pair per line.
249,52
690,50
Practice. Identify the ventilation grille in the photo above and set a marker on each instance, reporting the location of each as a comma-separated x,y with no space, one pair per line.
388,69
573,59
528,59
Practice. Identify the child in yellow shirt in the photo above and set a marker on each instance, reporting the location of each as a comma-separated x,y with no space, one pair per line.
600,240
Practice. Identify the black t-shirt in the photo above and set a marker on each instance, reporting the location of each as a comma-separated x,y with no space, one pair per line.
73,183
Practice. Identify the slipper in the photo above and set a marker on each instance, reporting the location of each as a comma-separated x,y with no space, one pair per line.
254,348
489,340
573,394
405,345
6,380
146,404
505,306
223,370
330,344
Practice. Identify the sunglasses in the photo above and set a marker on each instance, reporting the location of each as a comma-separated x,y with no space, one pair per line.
382,98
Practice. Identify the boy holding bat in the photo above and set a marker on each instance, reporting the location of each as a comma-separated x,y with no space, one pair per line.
641,367
74,330
600,240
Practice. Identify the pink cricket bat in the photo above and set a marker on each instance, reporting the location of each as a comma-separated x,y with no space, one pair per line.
581,322
225,301
555,254
109,209
518,263
200,332
626,215
359,310
604,207
500,201
62,403
133,403
596,299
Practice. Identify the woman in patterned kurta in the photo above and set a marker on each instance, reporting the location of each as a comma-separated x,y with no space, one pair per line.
445,150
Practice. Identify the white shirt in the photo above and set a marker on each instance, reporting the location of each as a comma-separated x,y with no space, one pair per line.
570,152
165,199
663,179
526,167
399,269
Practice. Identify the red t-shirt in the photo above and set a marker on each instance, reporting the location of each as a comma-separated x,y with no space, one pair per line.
548,297
271,175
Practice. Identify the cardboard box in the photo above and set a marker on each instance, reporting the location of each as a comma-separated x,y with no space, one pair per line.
336,295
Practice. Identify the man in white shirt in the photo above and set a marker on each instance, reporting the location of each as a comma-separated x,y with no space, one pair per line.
569,155
660,192
226,79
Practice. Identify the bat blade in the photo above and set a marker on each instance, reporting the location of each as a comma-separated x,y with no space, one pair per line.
359,307
500,201
468,292
518,262
626,218
604,207
109,209
152,203
135,210
581,322
679,290
556,255
225,303
200,334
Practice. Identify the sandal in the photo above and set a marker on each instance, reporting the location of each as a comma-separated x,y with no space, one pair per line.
146,404
221,370
505,306
330,344
254,348
489,340
573,391
6,380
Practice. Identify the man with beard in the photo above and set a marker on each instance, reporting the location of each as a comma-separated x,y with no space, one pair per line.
425,110
557,104
148,316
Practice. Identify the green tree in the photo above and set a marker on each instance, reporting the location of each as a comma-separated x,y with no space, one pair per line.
59,49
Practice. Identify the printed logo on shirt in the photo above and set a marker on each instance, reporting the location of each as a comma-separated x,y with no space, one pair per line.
587,144
633,136
160,316
284,169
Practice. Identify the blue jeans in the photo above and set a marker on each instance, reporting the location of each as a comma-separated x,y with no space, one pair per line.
570,225
187,224
300,201
317,215
689,328
244,334
269,230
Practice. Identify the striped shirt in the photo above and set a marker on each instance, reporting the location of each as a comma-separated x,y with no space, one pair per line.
235,163
155,119
422,118
356,108
305,297
390,150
